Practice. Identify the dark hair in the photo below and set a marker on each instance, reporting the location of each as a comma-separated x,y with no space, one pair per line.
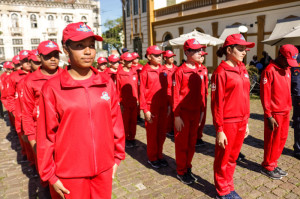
223,50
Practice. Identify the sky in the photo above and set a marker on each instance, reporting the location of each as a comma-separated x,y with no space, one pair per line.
109,9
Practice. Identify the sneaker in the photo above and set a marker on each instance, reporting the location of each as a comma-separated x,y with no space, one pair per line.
297,155
189,172
234,195
200,142
133,142
163,162
271,174
170,134
228,196
241,157
128,144
185,179
155,164
281,172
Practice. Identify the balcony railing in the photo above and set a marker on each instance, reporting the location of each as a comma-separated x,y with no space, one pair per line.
16,31
188,5
52,31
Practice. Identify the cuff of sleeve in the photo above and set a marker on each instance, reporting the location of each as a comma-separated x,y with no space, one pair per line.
145,110
268,114
219,129
117,161
31,137
53,179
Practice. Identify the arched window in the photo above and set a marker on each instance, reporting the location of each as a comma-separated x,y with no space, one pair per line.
67,19
15,20
33,21
167,36
84,19
50,18
51,21
199,30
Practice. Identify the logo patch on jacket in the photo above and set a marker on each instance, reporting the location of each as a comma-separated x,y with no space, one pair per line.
16,95
21,94
105,96
265,80
247,76
37,112
134,78
201,76
213,87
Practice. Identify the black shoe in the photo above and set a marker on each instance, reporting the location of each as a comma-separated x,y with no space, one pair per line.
189,172
170,134
234,195
228,196
271,174
133,142
185,178
297,155
128,144
280,171
200,142
155,164
241,157
163,163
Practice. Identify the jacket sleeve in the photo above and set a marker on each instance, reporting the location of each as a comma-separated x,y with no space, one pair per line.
170,85
118,128
11,95
118,86
28,107
18,110
217,99
47,125
143,82
176,93
265,92
4,93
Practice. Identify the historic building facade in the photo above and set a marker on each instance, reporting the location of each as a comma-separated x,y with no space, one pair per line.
157,21
24,24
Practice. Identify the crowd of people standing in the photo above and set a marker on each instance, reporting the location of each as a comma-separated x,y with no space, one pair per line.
75,123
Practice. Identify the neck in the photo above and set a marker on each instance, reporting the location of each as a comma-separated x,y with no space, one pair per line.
114,70
231,63
168,65
191,64
154,66
79,73
125,68
47,71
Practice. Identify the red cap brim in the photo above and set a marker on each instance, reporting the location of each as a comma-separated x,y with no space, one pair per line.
292,62
80,37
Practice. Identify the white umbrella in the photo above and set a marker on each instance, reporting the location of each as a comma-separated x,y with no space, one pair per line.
202,38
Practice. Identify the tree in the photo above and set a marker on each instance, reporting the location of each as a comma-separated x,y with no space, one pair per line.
112,36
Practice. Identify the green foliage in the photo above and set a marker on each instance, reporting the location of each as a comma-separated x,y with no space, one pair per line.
111,36
143,61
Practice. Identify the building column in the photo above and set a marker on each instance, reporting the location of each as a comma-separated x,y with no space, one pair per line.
150,16
215,26
260,35
180,31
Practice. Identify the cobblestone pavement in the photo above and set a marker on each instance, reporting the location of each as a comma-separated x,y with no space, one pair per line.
135,179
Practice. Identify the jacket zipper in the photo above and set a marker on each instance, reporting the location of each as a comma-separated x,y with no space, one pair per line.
92,128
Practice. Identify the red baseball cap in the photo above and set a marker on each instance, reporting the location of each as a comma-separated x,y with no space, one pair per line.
192,44
33,55
204,53
237,39
153,50
16,59
127,56
78,31
290,52
8,65
24,54
113,58
101,60
135,55
168,53
46,47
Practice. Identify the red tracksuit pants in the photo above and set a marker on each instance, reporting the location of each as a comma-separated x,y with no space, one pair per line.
225,159
185,140
129,115
170,121
274,141
11,119
156,132
97,187
201,127
28,150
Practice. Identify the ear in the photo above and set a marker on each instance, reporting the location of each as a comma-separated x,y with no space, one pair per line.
66,50
149,57
229,50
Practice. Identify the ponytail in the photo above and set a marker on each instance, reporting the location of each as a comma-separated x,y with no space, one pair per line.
223,50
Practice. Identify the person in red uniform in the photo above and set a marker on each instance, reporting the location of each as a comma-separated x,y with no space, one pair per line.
275,92
188,110
101,64
113,66
127,89
204,81
230,106
138,67
16,62
170,68
153,102
79,121
8,68
34,59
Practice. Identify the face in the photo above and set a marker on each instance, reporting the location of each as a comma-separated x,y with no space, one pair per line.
201,59
154,59
281,60
114,65
35,64
101,67
25,65
17,67
81,53
8,70
194,55
169,60
236,54
128,64
50,61
135,61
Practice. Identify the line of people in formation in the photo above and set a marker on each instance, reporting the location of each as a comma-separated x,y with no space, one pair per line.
74,124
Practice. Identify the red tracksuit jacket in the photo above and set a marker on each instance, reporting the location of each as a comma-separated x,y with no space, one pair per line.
32,88
80,128
188,92
18,104
275,89
4,88
204,77
12,95
2,77
171,78
153,88
230,94
127,87
112,74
